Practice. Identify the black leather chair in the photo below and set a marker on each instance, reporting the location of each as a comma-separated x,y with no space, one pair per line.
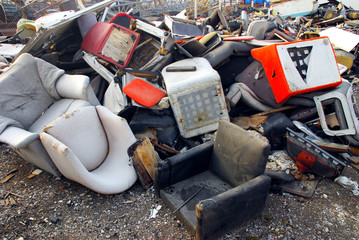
218,185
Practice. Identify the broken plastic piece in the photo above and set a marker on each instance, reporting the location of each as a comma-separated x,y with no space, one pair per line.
274,128
159,125
35,173
340,38
122,19
111,42
143,92
349,123
194,47
154,211
8,176
294,8
238,38
196,97
216,18
210,41
312,158
348,183
184,28
299,67
257,29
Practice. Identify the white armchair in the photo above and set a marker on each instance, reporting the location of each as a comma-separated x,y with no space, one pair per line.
32,94
89,146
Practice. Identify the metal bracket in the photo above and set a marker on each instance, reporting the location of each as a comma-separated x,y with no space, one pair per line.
164,36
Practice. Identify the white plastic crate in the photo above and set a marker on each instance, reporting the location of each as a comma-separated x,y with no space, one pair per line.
195,92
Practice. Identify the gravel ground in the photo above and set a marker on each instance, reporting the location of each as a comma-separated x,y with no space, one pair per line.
45,207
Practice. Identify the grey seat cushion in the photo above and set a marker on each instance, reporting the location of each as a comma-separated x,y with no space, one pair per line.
27,88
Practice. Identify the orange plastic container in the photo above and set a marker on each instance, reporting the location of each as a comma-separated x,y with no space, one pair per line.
299,67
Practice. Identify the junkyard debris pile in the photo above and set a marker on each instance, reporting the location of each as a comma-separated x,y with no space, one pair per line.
214,112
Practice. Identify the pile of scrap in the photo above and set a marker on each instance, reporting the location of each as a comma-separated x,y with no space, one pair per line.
278,83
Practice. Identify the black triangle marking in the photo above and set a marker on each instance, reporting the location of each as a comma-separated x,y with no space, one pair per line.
298,56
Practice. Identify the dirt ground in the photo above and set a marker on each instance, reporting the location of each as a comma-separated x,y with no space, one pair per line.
45,207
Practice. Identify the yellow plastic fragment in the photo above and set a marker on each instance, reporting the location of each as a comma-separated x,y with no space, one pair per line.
9,176
288,223
267,219
251,237
279,232
34,173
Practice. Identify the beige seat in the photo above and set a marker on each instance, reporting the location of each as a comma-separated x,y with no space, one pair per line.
32,94
89,146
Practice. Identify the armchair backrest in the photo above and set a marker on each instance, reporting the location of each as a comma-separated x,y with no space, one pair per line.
82,132
27,88
237,155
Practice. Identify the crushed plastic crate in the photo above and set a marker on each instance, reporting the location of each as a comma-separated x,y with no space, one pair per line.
196,96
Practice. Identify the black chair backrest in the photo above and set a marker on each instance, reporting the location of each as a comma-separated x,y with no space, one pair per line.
238,156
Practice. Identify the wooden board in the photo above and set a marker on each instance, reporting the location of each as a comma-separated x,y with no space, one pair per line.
144,159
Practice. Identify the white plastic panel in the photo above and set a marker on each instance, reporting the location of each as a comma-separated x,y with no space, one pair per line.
196,96
308,64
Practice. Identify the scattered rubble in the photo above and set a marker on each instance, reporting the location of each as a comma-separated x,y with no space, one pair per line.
111,88
348,183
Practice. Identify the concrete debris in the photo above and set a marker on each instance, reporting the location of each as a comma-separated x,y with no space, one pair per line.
280,161
53,219
348,183
154,211
285,71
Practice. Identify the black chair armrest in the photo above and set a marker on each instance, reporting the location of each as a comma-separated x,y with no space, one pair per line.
183,166
225,211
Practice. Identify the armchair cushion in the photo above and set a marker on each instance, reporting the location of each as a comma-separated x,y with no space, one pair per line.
73,86
7,122
55,110
83,133
238,156
17,137
114,173
27,88
32,94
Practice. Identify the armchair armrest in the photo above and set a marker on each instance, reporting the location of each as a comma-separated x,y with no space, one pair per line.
183,166
225,211
17,137
73,86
